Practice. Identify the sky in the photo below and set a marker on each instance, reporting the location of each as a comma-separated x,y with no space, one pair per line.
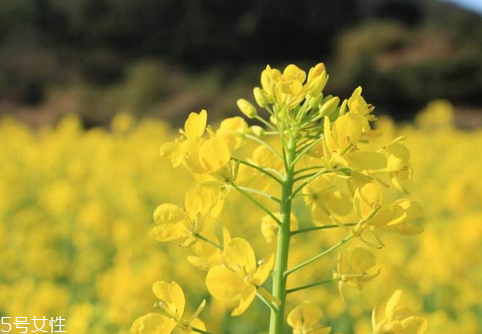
475,5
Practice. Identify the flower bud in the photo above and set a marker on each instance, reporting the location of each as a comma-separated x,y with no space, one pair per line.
257,131
329,106
343,108
247,108
260,97
314,102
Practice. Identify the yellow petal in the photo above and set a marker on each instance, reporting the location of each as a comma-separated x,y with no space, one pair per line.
169,219
172,295
153,323
348,130
232,130
389,215
357,103
196,124
367,160
392,304
290,87
263,271
328,136
306,315
398,157
214,154
412,209
409,229
239,256
338,203
224,284
319,215
173,152
293,72
165,233
189,152
414,325
193,203
207,255
368,198
324,330
361,260
398,183
169,214
198,324
245,299
316,71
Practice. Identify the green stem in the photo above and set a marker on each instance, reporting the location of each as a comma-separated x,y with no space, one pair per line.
260,193
197,330
268,124
212,243
265,144
311,178
266,302
255,202
319,256
315,228
304,287
258,168
284,235
309,168
305,150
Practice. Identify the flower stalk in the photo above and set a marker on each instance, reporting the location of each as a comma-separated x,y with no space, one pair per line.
284,236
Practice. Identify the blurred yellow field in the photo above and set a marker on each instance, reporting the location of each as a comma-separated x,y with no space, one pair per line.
76,210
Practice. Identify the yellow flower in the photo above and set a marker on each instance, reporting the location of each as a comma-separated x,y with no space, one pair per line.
269,228
206,255
358,105
288,89
368,199
240,277
326,200
393,318
171,304
195,124
305,318
197,154
194,128
398,216
232,130
261,156
340,142
317,79
352,268
398,164
173,222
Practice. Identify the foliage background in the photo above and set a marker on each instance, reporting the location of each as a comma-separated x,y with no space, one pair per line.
165,57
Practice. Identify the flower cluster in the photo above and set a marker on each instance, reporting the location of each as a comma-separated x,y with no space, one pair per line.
307,147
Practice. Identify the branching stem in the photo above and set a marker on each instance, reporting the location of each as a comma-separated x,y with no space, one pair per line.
259,168
256,202
319,256
304,287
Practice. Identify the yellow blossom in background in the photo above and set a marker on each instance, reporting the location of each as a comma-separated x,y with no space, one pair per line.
240,278
305,318
393,318
171,303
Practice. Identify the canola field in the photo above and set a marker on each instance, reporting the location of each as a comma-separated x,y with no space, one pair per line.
76,210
